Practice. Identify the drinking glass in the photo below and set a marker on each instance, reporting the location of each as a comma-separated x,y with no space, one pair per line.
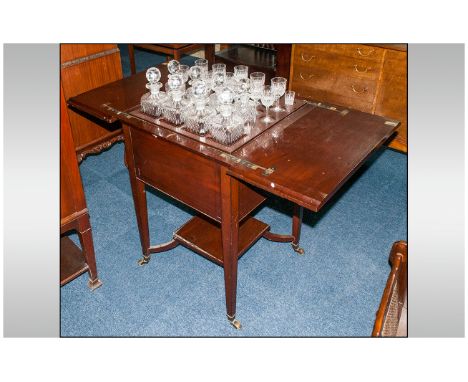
241,71
258,77
278,85
203,64
241,87
184,70
218,80
267,98
195,73
257,81
229,79
219,68
289,97
208,78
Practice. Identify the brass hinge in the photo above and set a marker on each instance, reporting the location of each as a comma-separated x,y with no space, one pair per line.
392,123
246,163
118,112
329,107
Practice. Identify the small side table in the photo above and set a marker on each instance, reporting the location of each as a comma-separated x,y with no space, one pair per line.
175,50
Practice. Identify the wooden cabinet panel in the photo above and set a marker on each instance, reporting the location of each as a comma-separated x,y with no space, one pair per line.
392,98
85,67
157,160
368,78
72,201
69,52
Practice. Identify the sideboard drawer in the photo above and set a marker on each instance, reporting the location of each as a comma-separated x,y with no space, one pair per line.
333,87
361,90
357,51
313,77
359,76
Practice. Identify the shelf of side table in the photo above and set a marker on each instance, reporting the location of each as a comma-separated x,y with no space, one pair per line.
72,262
203,236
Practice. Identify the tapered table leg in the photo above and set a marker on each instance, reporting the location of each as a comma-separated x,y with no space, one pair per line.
296,228
230,236
139,198
86,240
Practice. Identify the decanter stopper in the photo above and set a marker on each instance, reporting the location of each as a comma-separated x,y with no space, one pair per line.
173,66
153,75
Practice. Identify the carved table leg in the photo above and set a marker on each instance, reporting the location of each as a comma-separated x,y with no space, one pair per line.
230,233
86,240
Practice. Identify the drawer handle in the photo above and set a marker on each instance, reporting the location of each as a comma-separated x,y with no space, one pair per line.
359,91
366,69
364,55
309,76
306,59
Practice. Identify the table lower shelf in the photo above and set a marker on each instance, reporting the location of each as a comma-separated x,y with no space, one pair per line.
72,262
204,236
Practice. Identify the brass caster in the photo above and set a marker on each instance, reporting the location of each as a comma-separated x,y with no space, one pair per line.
235,323
297,249
143,261
93,285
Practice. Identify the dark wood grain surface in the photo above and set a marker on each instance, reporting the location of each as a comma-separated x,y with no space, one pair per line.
313,150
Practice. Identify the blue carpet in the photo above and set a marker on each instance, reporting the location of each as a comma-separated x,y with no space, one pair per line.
334,290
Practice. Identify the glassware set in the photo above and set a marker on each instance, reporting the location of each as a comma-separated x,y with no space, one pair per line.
223,104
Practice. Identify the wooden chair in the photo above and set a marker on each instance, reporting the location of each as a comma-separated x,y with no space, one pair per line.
74,214
391,317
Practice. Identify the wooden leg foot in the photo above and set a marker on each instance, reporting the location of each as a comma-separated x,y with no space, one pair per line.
234,322
94,284
297,249
144,260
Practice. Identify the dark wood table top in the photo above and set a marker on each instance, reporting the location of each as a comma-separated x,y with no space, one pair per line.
305,157
173,46
313,152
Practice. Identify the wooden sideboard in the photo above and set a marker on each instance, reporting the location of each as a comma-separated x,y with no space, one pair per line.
85,67
367,77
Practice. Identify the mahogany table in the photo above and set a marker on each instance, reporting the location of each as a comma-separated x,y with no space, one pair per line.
305,156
